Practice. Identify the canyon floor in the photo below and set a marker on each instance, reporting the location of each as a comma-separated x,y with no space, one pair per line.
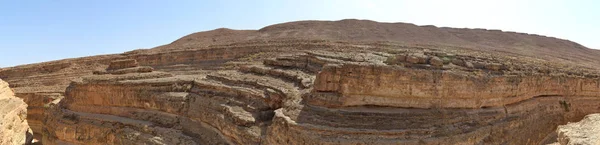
317,82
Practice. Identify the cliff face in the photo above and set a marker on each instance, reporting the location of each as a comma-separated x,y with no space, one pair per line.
293,96
301,83
13,124
582,132
360,85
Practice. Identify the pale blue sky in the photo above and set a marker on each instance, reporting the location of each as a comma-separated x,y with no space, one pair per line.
43,30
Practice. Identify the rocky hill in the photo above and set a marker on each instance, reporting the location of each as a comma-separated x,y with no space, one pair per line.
317,82
370,31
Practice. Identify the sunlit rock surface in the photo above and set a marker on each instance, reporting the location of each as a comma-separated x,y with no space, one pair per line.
316,82
13,122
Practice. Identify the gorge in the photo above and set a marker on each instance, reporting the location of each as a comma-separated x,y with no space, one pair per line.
313,82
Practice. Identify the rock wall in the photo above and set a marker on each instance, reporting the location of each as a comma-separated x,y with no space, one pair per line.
584,132
37,104
302,83
359,85
319,97
153,108
361,102
13,124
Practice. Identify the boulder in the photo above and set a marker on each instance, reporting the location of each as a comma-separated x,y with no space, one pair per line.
584,132
458,62
469,65
417,58
479,65
436,61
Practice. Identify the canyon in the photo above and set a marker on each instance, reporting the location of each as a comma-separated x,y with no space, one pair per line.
314,82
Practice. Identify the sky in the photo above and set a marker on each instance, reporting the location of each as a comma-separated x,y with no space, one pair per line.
34,31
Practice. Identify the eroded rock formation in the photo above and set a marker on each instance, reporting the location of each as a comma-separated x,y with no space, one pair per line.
13,122
318,97
584,132
282,85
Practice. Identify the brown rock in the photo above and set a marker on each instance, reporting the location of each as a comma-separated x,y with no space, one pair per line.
401,58
469,65
479,65
139,69
394,87
494,66
584,132
122,64
14,129
436,61
458,62
315,82
417,58
397,59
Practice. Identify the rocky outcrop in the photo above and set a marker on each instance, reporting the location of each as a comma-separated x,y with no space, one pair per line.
355,101
37,105
157,108
40,84
584,132
319,97
238,87
13,124
359,85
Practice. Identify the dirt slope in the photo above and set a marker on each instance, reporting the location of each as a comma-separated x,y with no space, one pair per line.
550,48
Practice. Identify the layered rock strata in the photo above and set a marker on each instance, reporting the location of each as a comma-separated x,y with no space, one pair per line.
37,105
317,83
360,85
13,122
419,103
158,108
319,97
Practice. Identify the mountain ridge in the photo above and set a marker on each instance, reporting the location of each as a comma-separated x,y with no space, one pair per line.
371,31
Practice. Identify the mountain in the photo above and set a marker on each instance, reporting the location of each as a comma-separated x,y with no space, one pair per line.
532,45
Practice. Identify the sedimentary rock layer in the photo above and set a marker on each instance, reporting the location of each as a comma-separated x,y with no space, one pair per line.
37,104
13,122
359,85
280,85
155,108
303,98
